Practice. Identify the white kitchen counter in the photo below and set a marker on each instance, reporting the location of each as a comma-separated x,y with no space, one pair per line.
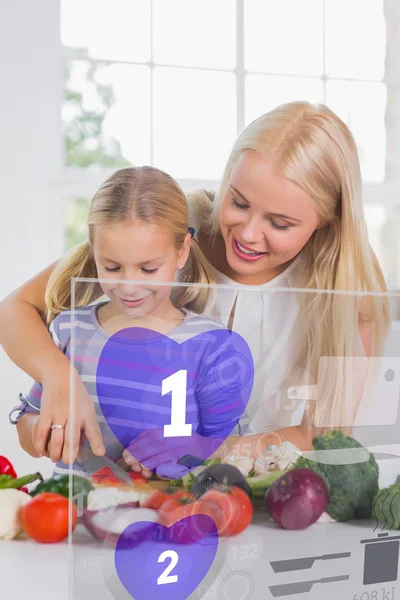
40,571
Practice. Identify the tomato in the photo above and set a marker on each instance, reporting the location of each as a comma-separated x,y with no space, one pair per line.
231,510
105,476
175,507
173,511
45,518
156,499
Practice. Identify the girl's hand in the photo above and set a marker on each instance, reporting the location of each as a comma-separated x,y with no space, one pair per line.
135,465
152,449
56,409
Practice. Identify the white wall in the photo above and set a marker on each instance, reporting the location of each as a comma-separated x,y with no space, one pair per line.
29,98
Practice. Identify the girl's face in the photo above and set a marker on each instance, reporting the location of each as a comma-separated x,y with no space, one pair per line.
265,220
139,252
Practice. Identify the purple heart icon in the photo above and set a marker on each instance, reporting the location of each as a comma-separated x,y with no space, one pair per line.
164,399
161,569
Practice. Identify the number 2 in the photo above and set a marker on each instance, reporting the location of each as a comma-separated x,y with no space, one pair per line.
176,384
165,576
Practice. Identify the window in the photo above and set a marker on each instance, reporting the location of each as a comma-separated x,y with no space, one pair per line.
173,82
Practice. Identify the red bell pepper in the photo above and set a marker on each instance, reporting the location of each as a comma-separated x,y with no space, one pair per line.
6,468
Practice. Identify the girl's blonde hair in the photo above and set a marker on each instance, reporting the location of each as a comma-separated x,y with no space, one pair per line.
315,149
148,195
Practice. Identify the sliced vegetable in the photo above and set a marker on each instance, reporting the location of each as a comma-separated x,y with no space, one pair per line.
60,484
11,502
216,475
297,499
105,476
110,497
109,525
45,518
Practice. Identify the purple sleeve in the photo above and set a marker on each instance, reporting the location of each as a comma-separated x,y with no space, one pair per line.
32,401
225,386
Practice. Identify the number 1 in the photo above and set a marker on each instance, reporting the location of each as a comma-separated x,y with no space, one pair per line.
176,384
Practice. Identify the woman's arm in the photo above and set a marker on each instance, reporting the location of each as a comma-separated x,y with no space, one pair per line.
23,333
26,427
25,338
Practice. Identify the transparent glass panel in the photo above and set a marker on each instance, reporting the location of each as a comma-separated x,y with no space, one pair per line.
117,30
194,121
284,37
355,39
173,388
106,115
195,34
264,92
362,106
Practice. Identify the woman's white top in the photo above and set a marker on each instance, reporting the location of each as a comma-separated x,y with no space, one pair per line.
266,316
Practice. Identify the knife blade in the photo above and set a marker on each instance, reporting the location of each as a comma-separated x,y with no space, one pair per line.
344,456
93,463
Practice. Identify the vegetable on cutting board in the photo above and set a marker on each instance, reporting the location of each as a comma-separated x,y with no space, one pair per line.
11,502
105,476
60,484
113,525
45,517
297,499
352,487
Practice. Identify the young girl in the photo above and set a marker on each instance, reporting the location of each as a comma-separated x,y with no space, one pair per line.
138,231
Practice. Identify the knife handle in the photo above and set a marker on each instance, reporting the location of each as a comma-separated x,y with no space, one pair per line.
332,579
340,555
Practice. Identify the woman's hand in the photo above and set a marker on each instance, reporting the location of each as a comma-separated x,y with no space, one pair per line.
56,409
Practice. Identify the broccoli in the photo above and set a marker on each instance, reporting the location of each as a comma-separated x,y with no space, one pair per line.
387,505
352,487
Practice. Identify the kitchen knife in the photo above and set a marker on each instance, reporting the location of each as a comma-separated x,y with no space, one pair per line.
344,456
93,463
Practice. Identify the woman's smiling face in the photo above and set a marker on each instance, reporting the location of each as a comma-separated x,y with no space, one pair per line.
265,219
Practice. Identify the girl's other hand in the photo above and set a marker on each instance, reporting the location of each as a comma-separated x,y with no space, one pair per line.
56,409
135,465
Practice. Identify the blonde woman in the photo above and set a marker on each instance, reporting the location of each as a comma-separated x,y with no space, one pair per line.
288,214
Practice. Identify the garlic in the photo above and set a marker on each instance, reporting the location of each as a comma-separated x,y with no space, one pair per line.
11,502
276,458
245,464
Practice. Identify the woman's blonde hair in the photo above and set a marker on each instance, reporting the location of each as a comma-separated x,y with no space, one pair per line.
315,149
136,193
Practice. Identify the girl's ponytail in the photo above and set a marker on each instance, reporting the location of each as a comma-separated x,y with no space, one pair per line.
197,299
78,263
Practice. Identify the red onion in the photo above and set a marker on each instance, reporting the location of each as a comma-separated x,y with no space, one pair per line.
297,499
